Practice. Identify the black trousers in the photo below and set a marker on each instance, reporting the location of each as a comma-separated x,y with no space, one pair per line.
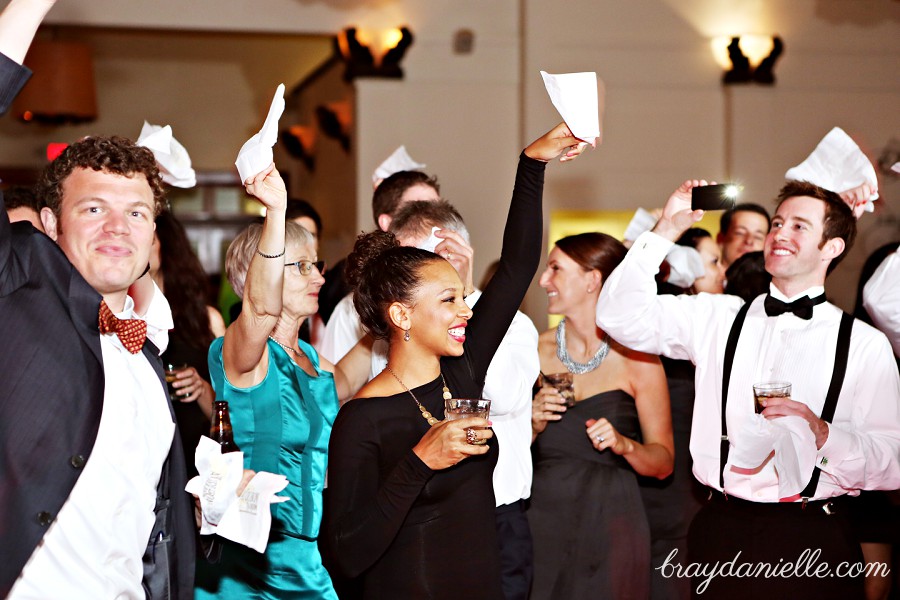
768,551
516,551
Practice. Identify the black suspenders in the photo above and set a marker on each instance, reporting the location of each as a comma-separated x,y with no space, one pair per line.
842,353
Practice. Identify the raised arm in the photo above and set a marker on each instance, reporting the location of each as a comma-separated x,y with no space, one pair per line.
18,23
245,340
630,310
522,250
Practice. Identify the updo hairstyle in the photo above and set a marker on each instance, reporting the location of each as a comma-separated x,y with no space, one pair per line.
381,272
594,250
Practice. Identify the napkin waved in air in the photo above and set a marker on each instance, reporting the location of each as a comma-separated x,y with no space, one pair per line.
256,153
575,97
171,157
399,160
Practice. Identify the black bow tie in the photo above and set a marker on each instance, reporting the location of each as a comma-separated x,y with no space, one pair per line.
801,307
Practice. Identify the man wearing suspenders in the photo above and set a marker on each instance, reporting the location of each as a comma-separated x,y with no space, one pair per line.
752,538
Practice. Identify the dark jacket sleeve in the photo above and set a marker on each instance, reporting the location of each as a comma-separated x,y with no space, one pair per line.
12,78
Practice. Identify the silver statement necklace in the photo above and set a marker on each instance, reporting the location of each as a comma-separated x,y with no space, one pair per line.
576,367
294,351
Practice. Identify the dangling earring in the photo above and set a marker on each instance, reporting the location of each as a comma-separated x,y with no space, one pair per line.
406,336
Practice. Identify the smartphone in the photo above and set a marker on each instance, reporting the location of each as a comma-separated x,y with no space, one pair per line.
721,196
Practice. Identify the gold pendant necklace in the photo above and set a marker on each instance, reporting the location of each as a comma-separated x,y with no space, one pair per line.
432,420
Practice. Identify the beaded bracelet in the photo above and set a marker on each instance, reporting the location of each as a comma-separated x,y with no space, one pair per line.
264,255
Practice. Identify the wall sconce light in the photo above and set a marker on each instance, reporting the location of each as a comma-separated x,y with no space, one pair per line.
373,54
300,142
747,58
62,88
335,121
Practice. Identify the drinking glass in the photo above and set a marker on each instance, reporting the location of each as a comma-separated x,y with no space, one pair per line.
461,408
769,389
564,384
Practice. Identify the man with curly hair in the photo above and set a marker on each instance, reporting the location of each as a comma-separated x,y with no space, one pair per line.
91,471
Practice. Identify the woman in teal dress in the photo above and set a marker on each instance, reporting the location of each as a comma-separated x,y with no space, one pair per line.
283,400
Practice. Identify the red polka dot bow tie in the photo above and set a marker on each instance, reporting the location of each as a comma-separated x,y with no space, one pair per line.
131,332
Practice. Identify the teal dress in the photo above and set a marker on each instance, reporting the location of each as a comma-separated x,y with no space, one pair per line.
282,425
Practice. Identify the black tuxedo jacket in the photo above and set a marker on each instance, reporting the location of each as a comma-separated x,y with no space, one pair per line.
51,397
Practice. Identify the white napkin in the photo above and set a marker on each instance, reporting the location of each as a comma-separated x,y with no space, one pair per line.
249,520
256,153
837,164
245,519
431,242
643,220
794,445
172,158
575,97
895,167
686,266
400,160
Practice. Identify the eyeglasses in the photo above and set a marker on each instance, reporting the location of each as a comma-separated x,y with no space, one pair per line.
305,267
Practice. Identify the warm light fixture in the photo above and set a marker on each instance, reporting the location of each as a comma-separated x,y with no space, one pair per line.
370,53
747,58
62,88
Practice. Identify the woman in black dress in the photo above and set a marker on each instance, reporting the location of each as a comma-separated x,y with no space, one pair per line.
591,534
409,508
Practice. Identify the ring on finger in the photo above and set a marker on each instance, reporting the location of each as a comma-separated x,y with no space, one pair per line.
600,439
471,436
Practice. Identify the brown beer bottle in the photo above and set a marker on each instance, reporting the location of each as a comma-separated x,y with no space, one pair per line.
221,431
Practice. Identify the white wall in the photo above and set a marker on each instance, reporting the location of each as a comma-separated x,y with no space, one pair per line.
666,110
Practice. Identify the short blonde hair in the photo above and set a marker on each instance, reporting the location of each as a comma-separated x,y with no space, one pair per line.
244,246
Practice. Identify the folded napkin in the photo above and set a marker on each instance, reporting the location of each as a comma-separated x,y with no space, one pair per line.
245,519
837,164
686,265
256,153
791,439
643,220
172,158
575,97
399,160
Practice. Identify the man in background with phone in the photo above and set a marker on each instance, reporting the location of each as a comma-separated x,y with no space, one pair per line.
844,379
742,229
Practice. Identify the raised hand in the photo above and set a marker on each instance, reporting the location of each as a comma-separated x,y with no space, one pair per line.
558,140
677,216
459,254
268,187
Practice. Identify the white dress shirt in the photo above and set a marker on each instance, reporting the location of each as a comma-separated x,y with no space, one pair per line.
881,298
94,548
863,446
508,383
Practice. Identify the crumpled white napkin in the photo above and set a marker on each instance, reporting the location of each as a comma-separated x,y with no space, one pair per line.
643,220
256,153
895,167
794,445
399,160
245,519
431,242
172,158
686,266
837,164
575,97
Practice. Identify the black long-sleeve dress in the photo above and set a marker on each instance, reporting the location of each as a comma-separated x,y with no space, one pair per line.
399,528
